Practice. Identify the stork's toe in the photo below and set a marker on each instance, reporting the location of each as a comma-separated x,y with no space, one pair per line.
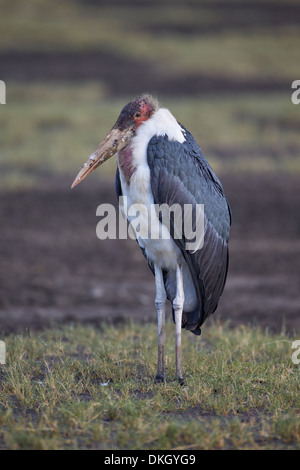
160,378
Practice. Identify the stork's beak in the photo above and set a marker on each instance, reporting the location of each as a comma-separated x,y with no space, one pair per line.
115,140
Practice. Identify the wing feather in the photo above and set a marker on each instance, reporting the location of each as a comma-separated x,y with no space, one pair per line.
180,174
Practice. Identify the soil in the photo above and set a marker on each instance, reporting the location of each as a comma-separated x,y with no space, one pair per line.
55,270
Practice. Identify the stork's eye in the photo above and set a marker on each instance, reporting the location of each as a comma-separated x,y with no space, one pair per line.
137,115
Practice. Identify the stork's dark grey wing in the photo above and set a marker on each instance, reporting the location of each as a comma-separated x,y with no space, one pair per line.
118,186
180,174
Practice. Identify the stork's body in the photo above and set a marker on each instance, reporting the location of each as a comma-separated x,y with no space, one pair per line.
159,162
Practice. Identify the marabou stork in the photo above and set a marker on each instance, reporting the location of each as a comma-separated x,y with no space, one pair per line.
160,162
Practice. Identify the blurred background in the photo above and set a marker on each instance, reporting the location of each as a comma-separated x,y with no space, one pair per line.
224,69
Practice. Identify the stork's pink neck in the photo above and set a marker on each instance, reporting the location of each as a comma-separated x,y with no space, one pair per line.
126,164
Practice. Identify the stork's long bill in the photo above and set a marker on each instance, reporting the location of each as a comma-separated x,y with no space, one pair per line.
113,143
131,116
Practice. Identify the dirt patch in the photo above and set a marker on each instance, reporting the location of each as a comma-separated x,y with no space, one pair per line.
54,269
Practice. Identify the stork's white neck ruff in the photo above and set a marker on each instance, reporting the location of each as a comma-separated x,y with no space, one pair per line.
161,123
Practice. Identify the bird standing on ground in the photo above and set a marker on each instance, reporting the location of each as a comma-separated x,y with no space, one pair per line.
159,162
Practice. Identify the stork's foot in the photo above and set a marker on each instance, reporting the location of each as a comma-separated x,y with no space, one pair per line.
160,378
181,381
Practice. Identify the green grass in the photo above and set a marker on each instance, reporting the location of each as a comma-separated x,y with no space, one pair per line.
82,387
264,51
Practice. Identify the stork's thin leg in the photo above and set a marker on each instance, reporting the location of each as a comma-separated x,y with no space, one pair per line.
178,307
160,304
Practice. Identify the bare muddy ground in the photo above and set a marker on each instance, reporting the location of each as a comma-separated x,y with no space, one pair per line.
54,269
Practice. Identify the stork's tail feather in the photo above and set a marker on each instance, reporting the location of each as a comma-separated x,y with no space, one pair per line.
194,328
190,321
